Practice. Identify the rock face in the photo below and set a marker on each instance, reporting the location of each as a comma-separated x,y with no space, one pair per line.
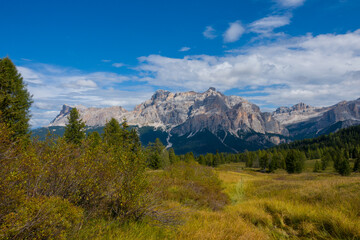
185,112
297,113
317,121
91,116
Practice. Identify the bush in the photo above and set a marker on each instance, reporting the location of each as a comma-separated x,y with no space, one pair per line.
41,218
47,187
104,180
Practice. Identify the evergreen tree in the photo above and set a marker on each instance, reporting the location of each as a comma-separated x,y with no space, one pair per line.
202,160
189,157
281,162
295,161
344,168
172,156
274,164
113,134
356,164
216,159
317,166
249,159
209,159
325,160
158,157
264,161
15,100
94,139
75,128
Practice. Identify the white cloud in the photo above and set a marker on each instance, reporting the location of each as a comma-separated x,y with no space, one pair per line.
290,3
234,32
86,83
209,32
319,70
53,86
265,26
106,60
184,49
118,65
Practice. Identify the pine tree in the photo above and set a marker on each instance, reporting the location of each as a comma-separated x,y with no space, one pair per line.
344,168
274,164
264,161
189,157
15,100
356,164
158,157
295,161
172,156
317,166
94,139
113,134
202,160
75,129
325,160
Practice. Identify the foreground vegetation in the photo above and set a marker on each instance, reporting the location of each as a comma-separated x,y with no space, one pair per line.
260,206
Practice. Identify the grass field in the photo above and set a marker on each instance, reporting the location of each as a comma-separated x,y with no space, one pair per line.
262,206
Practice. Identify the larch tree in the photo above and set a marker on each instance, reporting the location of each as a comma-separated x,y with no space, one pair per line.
75,128
15,100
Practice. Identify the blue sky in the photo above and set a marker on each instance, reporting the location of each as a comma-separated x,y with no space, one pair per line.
105,53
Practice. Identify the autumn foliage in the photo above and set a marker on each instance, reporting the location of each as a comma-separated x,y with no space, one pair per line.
47,188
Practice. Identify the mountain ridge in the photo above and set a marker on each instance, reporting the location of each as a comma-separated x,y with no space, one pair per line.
234,123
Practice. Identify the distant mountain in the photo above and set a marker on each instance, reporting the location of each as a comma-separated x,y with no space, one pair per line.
303,121
210,121
184,113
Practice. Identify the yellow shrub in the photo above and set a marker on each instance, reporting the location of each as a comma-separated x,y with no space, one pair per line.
41,218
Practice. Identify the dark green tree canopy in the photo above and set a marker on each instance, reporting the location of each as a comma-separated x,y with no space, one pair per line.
15,100
295,161
113,133
75,129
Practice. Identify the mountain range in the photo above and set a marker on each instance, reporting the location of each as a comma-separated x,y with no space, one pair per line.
211,121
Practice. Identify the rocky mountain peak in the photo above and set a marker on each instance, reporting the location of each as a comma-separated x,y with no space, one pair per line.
297,107
300,107
160,95
65,109
211,89
184,112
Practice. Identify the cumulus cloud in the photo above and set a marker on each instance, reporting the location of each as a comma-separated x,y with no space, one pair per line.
184,49
209,32
53,86
85,83
234,32
318,70
290,3
118,65
265,26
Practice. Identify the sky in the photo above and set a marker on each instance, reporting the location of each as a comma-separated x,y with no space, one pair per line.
109,53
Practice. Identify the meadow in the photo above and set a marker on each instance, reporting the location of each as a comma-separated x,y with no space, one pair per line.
247,204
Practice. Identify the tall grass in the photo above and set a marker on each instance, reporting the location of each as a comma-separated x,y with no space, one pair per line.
263,206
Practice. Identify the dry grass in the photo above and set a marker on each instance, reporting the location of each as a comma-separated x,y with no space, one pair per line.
265,206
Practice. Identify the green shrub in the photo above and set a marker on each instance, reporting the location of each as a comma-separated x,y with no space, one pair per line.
41,218
47,187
